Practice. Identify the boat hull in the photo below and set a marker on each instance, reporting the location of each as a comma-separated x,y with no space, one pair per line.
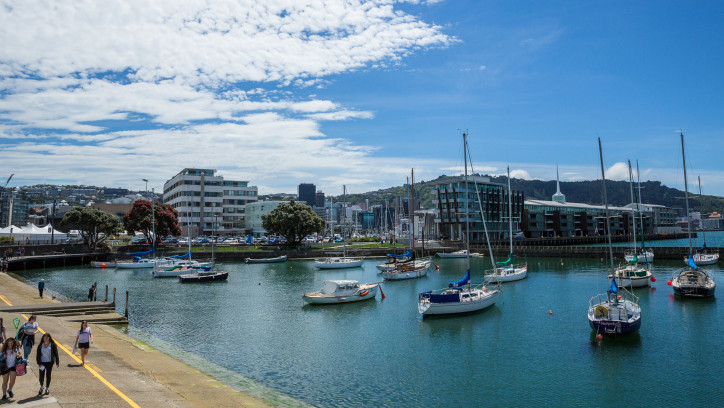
315,299
282,258
511,275
457,254
693,283
339,264
704,259
411,273
193,278
454,308
614,328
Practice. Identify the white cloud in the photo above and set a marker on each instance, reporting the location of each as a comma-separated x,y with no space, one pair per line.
618,171
520,174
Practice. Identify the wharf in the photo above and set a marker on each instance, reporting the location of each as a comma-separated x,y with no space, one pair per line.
120,371
54,260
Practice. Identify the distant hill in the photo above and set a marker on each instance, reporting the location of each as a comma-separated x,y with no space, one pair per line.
588,192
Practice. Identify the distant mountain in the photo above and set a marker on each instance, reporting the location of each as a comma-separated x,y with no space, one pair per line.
587,192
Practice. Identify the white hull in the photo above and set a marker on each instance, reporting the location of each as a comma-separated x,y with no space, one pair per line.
456,254
338,263
135,265
630,276
413,272
647,257
366,292
484,300
507,274
704,259
633,282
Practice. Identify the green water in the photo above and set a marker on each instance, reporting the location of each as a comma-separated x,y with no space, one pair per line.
381,353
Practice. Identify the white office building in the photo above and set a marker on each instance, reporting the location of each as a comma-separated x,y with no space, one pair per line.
207,203
254,211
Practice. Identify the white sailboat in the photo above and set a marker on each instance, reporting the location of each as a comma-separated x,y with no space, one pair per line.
412,268
339,262
702,256
461,296
507,271
643,255
691,280
341,291
632,274
615,312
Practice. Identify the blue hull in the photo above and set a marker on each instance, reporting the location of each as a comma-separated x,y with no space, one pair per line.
614,328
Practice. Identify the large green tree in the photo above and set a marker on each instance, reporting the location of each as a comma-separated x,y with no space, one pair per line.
95,226
292,220
138,219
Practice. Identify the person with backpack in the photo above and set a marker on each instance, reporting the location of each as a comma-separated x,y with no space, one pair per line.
46,355
26,335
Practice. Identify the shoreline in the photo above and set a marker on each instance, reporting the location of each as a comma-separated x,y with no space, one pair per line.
143,369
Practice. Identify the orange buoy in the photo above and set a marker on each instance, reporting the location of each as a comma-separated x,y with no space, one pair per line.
599,337
103,265
550,312
653,279
668,283
364,293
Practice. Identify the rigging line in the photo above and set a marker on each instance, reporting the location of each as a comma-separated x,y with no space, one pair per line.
482,215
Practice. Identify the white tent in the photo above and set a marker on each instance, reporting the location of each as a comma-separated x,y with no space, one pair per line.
33,234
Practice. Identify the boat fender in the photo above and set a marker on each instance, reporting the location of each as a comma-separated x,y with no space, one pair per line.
601,311
364,293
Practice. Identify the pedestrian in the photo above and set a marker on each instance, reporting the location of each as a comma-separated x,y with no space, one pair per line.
29,329
19,252
3,336
92,292
10,356
46,355
41,286
83,340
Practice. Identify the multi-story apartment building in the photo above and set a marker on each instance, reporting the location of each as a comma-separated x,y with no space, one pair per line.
13,208
207,203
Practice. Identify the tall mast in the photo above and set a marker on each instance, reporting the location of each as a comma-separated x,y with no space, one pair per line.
153,220
641,217
465,199
412,211
633,211
701,226
605,204
686,194
510,212
344,206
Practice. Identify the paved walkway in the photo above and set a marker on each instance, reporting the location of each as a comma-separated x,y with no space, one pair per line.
120,371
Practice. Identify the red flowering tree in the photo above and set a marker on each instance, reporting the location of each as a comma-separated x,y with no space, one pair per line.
138,219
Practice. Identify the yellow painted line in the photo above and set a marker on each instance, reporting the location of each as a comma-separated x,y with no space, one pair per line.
69,351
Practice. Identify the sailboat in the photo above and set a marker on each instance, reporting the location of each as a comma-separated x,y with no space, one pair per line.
643,255
632,274
339,262
506,271
691,280
180,266
204,273
461,296
413,267
702,257
617,311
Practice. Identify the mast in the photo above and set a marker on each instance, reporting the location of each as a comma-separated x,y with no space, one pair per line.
605,203
686,194
703,232
510,213
641,217
412,211
633,211
344,239
465,191
153,221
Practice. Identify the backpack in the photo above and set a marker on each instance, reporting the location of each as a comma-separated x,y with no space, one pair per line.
21,334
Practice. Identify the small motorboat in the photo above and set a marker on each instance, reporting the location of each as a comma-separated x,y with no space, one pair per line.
203,276
408,270
457,254
337,263
282,258
182,269
341,291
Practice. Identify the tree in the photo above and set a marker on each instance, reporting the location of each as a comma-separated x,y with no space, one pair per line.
95,226
292,220
138,219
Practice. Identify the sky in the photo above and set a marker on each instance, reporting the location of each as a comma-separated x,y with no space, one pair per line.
358,93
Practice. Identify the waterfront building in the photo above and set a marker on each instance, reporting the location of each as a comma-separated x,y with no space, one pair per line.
207,203
307,194
254,211
13,208
455,202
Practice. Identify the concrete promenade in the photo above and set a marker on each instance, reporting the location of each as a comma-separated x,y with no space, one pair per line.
120,371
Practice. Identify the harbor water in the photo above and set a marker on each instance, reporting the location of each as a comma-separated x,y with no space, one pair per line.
382,353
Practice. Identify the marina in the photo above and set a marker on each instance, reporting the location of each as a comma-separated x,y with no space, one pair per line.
264,332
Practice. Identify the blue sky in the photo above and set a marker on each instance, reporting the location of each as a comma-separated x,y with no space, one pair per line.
357,93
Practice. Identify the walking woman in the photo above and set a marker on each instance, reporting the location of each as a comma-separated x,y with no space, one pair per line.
83,340
46,355
10,355
30,328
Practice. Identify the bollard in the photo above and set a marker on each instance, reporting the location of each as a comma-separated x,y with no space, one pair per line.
126,304
106,293
114,296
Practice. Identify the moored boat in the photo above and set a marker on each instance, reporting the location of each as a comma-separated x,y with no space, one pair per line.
408,270
341,291
632,276
457,254
282,258
337,263
203,276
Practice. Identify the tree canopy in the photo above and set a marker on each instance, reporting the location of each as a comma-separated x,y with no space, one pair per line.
95,226
292,220
138,219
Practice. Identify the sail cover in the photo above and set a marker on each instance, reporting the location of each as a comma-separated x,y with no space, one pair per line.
635,259
462,282
691,262
181,256
614,287
508,261
405,255
143,253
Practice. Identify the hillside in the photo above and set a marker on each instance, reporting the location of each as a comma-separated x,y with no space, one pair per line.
588,192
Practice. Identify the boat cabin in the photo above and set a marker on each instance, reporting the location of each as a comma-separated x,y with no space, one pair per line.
331,286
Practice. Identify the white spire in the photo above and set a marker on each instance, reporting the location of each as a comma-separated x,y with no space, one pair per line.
558,196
